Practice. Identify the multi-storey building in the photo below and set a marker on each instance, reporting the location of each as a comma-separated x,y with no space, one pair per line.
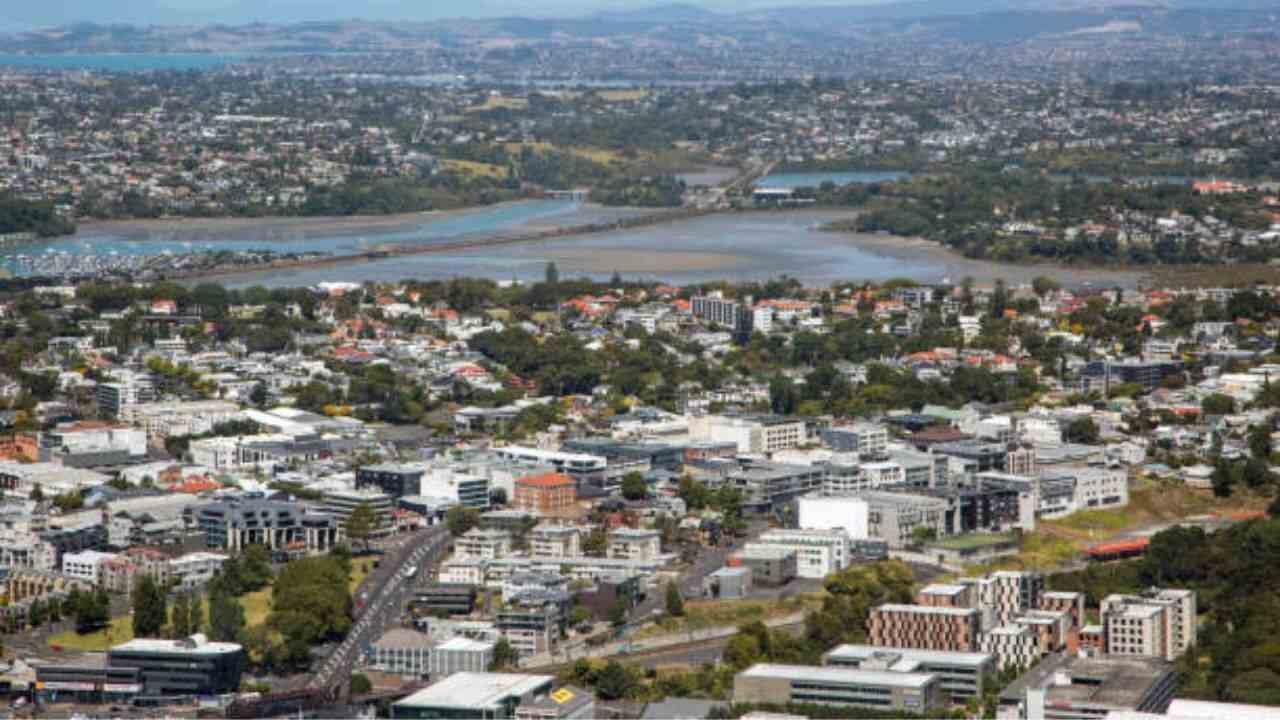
756,434
460,654
1004,595
948,595
533,620
178,419
482,544
127,389
85,565
1013,646
237,524
1071,603
402,651
924,628
867,440
919,693
341,503
961,674
395,479
195,570
717,310
818,552
1157,623
634,544
555,541
549,494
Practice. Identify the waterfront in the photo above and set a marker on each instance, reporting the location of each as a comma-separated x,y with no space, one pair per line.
789,180
119,62
727,246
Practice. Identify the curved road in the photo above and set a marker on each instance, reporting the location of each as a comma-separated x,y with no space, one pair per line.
385,600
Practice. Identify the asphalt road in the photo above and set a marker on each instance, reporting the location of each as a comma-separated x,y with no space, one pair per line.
383,602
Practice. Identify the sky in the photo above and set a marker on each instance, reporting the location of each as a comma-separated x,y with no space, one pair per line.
19,15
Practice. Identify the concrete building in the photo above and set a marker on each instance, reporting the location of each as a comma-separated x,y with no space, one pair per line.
402,651
395,479
946,595
818,552
195,569
894,517
52,478
962,675
555,541
890,691
479,695
834,513
341,503
1013,646
236,524
924,628
1067,687
728,583
1004,595
85,565
459,654
128,389
563,703
634,544
189,667
1157,623
482,544
753,434
1071,603
866,440
771,565
160,420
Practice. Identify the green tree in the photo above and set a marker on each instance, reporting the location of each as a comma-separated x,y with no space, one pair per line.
255,567
362,524
675,603
460,519
1081,430
614,682
504,656
150,610
195,614
181,616
226,614
360,684
1218,404
634,487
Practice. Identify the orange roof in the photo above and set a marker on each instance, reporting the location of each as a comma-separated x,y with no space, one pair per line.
547,480
1119,547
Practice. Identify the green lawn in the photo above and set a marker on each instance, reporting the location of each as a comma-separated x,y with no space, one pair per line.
257,605
119,630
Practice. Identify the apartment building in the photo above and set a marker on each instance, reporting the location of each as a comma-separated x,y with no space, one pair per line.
946,595
194,570
634,544
85,565
482,544
1071,603
1013,646
128,388
555,541
924,628
818,552
160,420
549,494
717,310
1158,623
1050,627
1001,596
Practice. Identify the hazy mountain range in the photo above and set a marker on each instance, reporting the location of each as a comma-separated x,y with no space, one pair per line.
316,25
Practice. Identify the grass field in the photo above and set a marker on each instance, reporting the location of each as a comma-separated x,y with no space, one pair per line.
1150,503
700,614
480,169
622,95
257,605
119,630
495,102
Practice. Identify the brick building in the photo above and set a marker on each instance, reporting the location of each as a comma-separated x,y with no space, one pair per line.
546,494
